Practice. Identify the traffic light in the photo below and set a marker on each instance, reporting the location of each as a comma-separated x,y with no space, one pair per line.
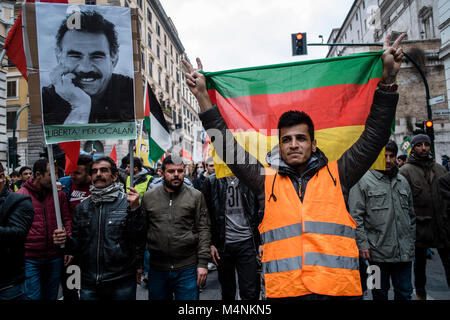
299,46
421,126
17,160
429,129
12,152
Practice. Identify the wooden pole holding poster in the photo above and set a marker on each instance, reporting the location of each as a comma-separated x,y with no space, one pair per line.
130,147
54,189
142,121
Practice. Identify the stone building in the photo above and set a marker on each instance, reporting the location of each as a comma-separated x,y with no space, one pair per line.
369,21
444,28
6,86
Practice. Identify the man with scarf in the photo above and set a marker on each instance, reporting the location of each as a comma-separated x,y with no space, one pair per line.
422,173
108,236
382,206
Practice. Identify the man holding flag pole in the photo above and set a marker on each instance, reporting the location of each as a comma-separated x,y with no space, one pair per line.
308,235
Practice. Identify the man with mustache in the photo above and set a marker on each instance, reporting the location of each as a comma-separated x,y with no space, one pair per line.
83,87
178,233
108,237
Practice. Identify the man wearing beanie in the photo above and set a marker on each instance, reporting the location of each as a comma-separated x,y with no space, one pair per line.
422,173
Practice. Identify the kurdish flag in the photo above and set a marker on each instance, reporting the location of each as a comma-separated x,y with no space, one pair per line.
159,140
337,93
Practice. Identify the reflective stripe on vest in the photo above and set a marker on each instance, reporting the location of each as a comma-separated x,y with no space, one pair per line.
325,260
290,231
330,228
287,264
295,230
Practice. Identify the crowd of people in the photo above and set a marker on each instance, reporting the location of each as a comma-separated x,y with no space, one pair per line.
300,228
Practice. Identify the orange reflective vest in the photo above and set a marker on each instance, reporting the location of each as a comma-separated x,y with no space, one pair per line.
309,247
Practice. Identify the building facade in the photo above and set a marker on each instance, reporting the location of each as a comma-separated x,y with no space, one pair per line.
369,22
7,89
444,52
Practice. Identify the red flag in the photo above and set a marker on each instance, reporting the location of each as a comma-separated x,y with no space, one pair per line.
113,154
14,43
72,151
185,154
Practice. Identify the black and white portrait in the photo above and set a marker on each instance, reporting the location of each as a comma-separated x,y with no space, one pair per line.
85,64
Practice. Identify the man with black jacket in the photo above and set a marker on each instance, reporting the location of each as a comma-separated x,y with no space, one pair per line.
235,238
308,235
16,217
108,236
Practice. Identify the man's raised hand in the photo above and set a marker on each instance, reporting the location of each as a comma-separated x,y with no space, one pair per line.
392,58
133,198
196,82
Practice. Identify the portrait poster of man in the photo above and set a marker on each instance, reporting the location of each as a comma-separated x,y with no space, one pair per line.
86,72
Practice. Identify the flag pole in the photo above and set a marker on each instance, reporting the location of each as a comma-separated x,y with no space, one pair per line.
54,188
130,147
140,138
142,121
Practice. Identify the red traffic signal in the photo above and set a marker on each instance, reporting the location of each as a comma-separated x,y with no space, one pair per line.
429,124
299,45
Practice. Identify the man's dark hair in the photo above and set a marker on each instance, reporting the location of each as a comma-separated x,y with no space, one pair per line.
293,118
168,160
92,22
392,147
22,169
40,166
114,169
402,157
84,160
137,163
13,174
3,169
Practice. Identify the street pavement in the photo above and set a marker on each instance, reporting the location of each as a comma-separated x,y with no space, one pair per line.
436,287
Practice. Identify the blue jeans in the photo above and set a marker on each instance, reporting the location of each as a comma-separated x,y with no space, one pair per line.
401,275
146,260
42,279
122,289
14,292
167,285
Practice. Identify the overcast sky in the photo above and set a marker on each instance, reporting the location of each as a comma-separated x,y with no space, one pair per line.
242,33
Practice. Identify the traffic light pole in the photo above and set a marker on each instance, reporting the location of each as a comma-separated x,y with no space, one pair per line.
14,133
422,74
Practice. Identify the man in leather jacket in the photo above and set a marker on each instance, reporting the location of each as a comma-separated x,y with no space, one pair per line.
300,160
108,237
16,218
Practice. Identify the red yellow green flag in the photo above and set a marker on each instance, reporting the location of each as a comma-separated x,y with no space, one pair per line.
337,93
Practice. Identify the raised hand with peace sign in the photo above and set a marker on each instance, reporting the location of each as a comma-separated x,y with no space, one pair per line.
196,82
392,59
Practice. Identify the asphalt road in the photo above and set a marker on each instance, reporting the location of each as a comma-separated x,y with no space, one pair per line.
436,287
